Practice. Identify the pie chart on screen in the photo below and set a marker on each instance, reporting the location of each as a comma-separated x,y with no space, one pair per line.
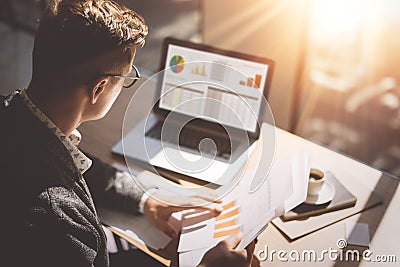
176,63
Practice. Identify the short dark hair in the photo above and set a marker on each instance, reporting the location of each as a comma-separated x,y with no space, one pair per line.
72,32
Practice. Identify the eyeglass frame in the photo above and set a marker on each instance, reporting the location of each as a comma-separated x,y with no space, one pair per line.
127,77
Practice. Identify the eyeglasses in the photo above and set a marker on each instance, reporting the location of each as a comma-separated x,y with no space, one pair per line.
130,79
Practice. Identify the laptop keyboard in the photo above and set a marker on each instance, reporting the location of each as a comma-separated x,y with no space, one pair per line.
191,138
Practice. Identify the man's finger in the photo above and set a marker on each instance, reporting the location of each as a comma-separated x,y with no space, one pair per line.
250,250
234,240
198,200
211,208
173,209
168,230
247,253
209,198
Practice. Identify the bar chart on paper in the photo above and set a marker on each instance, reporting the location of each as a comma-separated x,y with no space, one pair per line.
227,223
202,229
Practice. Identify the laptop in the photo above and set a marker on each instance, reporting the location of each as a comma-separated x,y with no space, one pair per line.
206,114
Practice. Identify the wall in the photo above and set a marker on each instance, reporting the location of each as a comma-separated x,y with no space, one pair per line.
268,28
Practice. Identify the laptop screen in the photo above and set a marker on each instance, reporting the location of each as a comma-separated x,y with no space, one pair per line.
214,84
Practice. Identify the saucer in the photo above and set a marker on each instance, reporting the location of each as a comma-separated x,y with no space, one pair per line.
325,195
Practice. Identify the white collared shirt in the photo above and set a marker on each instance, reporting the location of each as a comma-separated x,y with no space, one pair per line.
81,161
71,142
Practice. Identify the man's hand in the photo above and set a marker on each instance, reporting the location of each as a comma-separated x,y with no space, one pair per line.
158,213
224,254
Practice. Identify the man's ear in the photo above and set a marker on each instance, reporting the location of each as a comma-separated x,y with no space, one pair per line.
97,89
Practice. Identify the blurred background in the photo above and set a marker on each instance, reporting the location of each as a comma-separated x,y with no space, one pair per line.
336,80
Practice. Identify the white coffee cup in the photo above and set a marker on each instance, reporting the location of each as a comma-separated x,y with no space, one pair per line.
315,181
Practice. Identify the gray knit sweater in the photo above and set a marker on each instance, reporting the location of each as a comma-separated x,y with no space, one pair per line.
48,215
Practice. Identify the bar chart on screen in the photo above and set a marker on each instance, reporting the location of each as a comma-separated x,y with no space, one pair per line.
252,82
199,69
231,108
175,97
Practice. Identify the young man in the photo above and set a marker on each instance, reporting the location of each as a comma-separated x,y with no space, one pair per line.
82,57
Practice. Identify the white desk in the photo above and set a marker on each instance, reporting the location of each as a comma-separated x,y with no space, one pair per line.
384,220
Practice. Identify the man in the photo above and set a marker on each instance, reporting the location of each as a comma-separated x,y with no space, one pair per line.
82,57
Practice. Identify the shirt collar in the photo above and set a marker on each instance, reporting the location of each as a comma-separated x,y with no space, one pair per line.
71,142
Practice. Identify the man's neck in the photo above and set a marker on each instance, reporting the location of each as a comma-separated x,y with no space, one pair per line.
60,108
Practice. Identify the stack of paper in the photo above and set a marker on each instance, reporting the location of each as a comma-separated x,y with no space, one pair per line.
247,208
244,210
